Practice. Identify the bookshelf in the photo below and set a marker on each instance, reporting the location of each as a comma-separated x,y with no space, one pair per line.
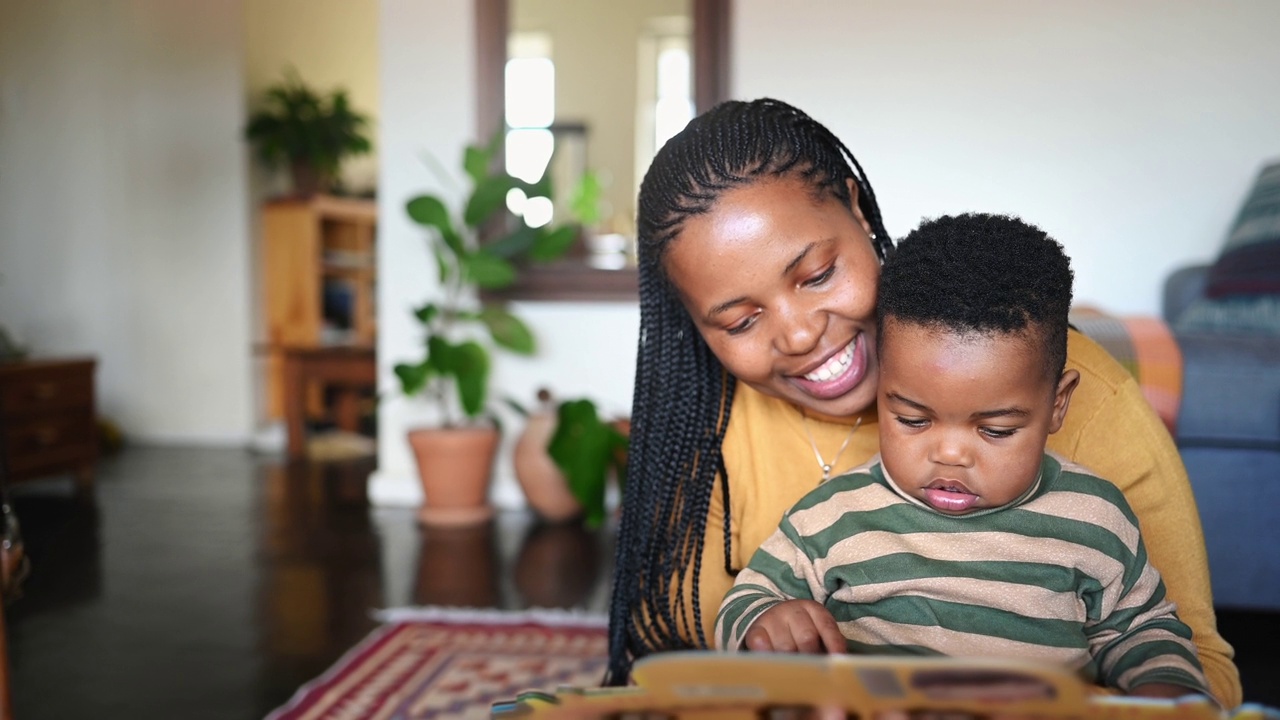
319,280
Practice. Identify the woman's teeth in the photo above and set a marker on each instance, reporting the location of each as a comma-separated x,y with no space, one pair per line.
833,367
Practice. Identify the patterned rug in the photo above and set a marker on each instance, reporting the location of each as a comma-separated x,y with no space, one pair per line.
447,663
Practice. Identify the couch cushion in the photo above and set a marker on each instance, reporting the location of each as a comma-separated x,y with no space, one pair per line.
1250,260
1237,492
1259,315
1230,390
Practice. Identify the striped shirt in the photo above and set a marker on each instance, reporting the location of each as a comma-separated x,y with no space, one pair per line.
1059,576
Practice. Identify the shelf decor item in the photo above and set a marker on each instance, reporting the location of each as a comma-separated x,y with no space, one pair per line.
460,328
307,132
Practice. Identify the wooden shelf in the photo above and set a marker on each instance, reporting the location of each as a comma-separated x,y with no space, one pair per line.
319,278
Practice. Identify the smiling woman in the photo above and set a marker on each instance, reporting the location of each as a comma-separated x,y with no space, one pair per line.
625,77
796,326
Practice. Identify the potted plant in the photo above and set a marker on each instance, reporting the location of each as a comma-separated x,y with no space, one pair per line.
565,457
309,133
460,328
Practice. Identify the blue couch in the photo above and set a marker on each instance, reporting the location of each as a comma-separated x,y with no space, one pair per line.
1228,433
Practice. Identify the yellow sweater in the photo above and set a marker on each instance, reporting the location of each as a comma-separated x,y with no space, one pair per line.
1110,429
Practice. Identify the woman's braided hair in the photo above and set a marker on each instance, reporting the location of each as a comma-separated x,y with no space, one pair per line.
683,396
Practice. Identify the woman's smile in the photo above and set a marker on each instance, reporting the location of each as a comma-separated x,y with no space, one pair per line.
839,373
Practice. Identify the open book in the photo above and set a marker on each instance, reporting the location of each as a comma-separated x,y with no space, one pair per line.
766,686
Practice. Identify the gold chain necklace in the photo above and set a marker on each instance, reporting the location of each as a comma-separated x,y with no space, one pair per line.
827,466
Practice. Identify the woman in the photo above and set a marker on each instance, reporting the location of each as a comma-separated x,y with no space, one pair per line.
760,241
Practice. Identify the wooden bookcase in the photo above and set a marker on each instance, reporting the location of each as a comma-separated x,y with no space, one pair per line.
319,279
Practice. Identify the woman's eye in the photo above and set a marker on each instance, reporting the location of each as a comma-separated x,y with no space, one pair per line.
822,277
915,423
742,326
997,433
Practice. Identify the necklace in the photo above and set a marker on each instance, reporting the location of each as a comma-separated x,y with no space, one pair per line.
827,466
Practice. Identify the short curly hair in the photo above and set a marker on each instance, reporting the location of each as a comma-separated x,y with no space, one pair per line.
981,273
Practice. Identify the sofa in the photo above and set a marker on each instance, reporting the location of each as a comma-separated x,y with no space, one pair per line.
1225,319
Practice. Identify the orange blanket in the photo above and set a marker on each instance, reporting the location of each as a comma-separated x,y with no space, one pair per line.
1145,346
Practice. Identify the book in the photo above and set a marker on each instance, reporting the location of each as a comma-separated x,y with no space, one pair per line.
701,685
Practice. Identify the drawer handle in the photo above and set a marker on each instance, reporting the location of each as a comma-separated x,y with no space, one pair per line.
45,391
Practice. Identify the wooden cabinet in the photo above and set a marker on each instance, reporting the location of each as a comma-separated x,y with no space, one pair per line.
319,279
47,419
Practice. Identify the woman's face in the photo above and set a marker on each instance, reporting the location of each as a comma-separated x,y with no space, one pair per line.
782,285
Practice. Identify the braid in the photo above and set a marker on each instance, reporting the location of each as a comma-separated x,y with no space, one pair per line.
683,395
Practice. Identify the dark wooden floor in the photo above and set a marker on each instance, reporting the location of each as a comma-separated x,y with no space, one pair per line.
210,583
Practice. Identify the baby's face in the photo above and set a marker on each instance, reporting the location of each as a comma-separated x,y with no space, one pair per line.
964,417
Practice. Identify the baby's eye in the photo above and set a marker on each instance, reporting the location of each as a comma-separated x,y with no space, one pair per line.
916,423
997,433
822,277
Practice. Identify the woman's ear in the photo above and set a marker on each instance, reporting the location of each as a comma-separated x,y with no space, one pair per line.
854,208
1062,398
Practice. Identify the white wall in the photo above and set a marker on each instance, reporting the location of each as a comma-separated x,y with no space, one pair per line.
428,106
1128,130
123,228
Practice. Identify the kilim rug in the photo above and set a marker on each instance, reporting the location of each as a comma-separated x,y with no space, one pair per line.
448,663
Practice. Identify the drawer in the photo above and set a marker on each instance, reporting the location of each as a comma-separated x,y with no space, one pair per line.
45,389
49,442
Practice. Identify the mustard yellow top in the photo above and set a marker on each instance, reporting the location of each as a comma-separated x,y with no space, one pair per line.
1109,428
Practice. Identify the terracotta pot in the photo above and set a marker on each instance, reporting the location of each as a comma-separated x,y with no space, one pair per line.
454,465
308,180
544,485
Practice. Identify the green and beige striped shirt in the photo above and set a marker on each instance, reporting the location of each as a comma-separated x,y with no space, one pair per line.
1059,576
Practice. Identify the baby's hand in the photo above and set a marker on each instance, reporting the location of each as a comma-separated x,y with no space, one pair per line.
802,626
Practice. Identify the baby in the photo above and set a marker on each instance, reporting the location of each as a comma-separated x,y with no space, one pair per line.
964,537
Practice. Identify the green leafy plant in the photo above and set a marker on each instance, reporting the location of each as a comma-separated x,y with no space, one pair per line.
586,448
310,133
456,362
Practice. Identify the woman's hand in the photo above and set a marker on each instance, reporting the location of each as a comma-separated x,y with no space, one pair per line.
797,626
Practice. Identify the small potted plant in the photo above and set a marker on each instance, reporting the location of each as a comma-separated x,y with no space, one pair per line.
309,133
460,329
565,457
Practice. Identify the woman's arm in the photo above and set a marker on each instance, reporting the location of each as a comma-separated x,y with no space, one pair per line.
1111,430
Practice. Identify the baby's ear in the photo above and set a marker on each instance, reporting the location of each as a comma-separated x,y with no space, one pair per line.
1062,398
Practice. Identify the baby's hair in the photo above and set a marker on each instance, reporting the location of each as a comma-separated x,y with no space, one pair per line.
978,273
683,396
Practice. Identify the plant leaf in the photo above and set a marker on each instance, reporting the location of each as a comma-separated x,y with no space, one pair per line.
488,270
475,161
489,195
442,263
584,203
582,447
551,245
514,244
429,210
413,378
508,330
426,313
471,368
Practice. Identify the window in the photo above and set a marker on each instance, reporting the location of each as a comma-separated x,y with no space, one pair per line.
530,110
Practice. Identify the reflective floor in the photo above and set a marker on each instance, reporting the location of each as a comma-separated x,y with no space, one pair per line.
211,583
